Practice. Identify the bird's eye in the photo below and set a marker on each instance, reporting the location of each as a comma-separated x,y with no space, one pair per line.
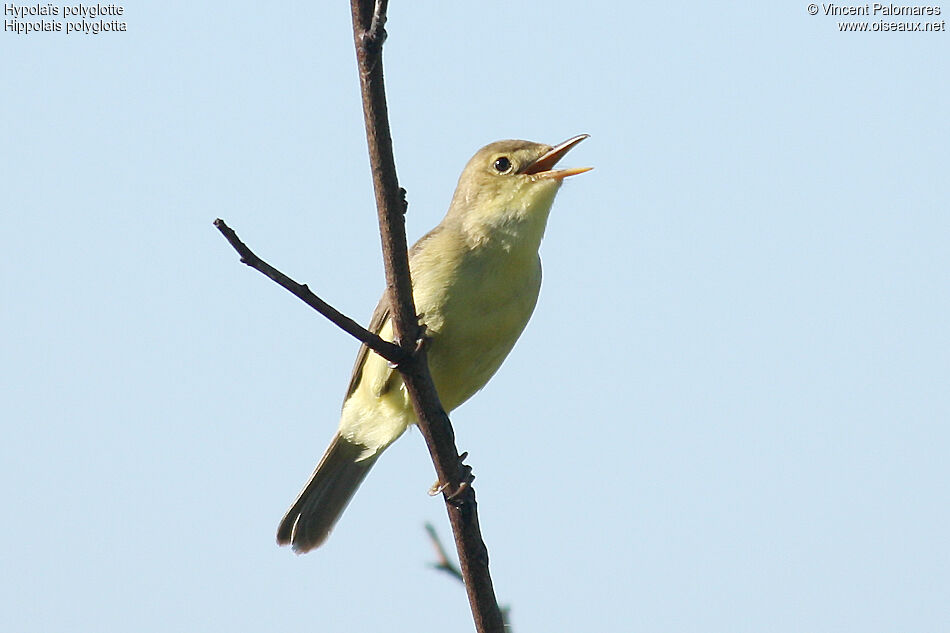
502,165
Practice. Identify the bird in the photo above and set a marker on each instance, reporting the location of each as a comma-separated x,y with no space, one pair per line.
476,278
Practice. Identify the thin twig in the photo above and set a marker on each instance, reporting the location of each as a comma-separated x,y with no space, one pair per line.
391,352
442,558
377,28
433,422
444,563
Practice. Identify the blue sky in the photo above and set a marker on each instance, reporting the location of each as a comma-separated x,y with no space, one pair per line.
729,412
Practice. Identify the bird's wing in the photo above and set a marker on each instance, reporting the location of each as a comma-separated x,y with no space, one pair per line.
380,316
376,322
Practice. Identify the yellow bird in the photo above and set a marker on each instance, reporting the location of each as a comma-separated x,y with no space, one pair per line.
476,278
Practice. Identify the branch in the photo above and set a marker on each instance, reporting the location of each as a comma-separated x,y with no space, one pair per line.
459,496
393,353
443,563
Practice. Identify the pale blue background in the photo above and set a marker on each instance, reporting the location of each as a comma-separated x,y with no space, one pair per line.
729,412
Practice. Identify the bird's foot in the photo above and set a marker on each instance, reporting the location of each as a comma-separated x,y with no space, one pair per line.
466,480
421,342
423,339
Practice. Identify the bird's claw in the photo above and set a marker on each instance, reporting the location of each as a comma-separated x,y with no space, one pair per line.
466,481
420,343
422,340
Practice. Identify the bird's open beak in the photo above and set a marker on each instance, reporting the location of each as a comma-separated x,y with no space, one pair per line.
543,167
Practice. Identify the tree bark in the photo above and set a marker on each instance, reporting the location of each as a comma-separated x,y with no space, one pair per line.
369,19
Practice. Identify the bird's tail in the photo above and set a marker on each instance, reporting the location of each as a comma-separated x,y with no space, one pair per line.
320,504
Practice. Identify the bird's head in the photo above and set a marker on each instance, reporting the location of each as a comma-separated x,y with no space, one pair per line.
507,188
